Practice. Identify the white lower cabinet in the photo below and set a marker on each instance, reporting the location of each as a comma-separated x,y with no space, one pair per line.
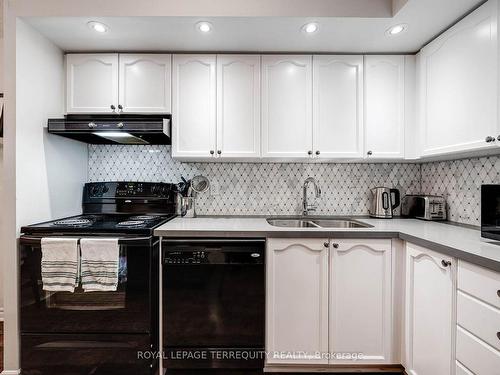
478,320
429,312
297,301
309,323
361,301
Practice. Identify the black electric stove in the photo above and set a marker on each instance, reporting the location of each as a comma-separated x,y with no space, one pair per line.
115,208
99,333
100,224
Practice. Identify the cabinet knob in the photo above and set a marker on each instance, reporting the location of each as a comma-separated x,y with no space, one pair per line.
490,139
309,152
119,125
369,153
219,152
112,107
445,263
498,335
498,293
92,125
120,107
326,244
212,152
317,152
498,138
335,245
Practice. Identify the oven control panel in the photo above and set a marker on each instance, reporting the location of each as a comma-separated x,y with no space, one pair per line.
123,190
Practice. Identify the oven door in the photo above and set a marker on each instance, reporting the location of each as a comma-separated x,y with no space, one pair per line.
126,310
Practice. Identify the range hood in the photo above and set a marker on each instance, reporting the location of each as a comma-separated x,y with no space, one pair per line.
114,129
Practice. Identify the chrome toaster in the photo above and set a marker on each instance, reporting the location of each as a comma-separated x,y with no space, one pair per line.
425,207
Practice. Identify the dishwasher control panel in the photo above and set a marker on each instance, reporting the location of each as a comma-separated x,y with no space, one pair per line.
185,257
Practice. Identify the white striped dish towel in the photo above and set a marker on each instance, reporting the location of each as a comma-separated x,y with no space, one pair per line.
59,264
99,264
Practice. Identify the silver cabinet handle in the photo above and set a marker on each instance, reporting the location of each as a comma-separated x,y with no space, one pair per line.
219,152
490,139
119,125
212,152
326,244
92,125
335,245
369,153
445,263
120,107
309,152
317,152
112,106
498,138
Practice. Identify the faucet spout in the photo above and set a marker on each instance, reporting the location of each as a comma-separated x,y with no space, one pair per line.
306,208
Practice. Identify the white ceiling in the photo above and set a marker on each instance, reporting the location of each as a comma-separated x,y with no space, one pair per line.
425,19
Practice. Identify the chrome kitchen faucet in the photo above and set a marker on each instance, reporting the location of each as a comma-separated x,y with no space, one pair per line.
306,208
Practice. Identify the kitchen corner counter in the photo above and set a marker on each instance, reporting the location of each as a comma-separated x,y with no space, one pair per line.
456,241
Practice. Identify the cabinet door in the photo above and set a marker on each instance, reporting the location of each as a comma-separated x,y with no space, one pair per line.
361,300
145,83
91,83
384,107
297,301
459,95
194,106
338,106
287,106
429,317
238,106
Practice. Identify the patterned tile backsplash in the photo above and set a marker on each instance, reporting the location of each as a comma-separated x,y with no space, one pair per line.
459,181
256,188
276,188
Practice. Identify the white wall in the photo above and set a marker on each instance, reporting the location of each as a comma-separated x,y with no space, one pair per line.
50,170
1,179
44,172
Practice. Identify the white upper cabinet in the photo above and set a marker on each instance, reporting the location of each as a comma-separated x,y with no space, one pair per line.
297,301
287,106
238,106
430,312
91,83
361,300
459,87
338,106
194,106
384,105
145,83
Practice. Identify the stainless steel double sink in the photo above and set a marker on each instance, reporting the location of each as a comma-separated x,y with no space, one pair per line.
317,223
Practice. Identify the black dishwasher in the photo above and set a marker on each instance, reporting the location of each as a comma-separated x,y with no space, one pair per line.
213,303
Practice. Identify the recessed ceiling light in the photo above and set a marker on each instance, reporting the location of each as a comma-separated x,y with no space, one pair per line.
310,28
204,27
97,26
397,29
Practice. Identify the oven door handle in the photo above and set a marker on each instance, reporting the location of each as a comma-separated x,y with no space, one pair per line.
34,240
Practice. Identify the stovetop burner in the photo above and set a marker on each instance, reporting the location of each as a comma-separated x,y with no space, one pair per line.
131,223
143,218
74,222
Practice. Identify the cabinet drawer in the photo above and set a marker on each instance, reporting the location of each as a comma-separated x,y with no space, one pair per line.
479,282
477,356
479,318
461,370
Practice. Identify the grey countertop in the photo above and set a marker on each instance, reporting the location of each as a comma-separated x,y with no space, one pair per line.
457,241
